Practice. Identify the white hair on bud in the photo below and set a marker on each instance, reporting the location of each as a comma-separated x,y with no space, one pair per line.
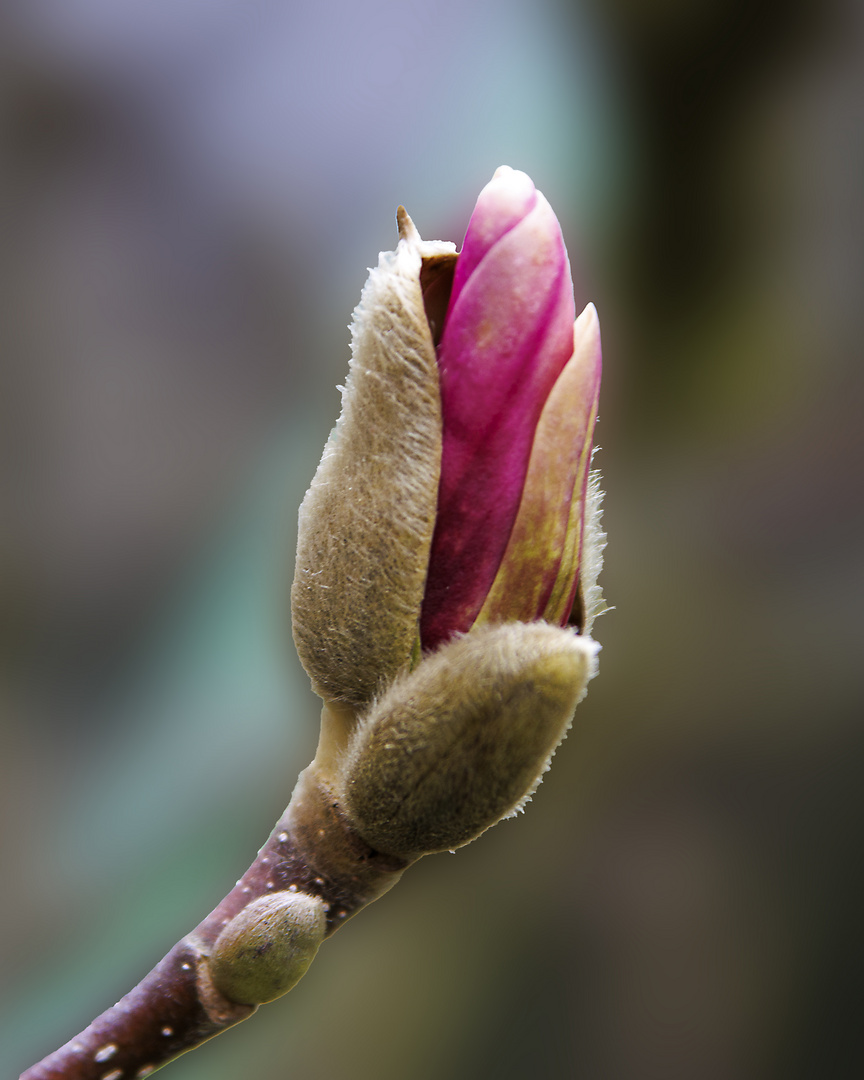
366,522
593,543
461,741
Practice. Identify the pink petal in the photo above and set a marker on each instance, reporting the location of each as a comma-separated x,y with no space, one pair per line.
507,336
503,203
539,573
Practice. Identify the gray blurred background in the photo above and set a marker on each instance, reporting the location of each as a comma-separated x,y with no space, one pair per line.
191,193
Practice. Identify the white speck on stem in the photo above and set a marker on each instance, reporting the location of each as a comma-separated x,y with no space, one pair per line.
115,1074
166,1031
145,1070
282,837
292,888
105,1053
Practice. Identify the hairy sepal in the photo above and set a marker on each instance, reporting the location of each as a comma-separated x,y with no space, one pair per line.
464,739
367,521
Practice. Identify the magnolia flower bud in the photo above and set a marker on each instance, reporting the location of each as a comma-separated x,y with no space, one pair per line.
519,389
463,740
455,489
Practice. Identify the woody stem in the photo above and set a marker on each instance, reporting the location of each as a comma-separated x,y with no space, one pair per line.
314,850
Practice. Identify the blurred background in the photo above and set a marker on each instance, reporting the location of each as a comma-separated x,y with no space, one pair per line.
191,194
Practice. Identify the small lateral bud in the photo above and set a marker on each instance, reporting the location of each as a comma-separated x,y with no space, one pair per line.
462,741
266,948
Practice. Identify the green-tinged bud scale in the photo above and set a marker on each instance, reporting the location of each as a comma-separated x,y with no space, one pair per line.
265,949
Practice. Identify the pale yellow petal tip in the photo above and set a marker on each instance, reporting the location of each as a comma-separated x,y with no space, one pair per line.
587,324
501,171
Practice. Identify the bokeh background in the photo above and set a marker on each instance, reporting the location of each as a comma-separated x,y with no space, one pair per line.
191,194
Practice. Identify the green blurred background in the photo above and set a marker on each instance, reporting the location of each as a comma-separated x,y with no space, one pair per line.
190,196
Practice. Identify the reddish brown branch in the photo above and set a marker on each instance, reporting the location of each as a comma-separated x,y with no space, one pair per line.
176,1007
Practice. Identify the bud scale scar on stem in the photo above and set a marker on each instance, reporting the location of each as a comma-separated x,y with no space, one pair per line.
445,585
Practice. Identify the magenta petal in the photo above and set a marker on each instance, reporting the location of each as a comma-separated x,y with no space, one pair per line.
503,203
507,336
538,575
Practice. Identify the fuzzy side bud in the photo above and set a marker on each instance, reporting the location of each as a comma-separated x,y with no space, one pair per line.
462,741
